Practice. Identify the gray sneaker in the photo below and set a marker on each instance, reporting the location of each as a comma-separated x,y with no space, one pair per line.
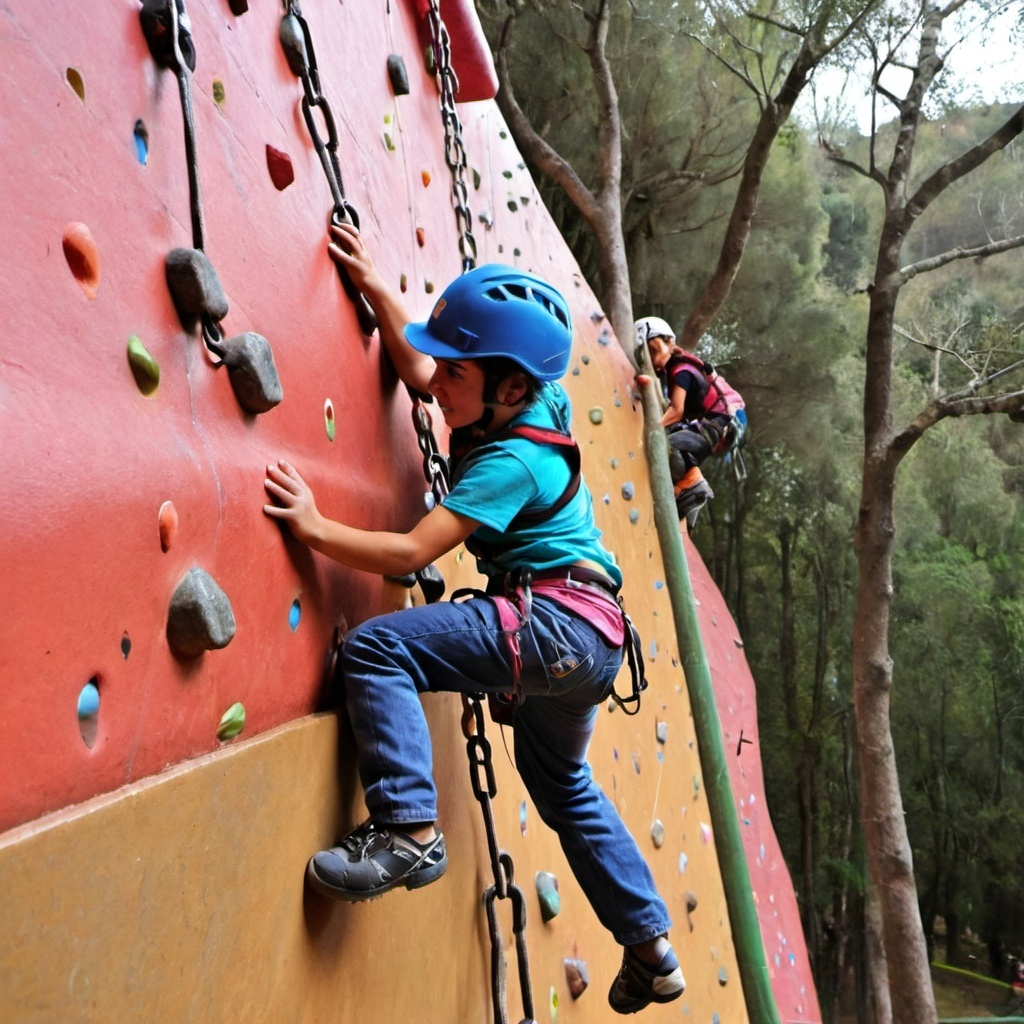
372,860
638,984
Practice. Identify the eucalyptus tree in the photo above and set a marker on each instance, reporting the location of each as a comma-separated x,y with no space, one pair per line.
909,37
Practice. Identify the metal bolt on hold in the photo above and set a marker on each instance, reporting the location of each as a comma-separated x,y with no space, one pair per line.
200,617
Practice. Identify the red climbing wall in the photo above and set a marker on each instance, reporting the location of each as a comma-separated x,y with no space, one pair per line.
152,860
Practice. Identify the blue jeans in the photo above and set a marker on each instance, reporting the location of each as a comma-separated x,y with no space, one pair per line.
567,671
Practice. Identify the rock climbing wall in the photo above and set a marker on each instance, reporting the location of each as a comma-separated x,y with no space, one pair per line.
169,760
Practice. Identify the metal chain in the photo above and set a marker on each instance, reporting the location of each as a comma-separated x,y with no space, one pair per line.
435,465
175,49
504,887
477,745
297,43
455,152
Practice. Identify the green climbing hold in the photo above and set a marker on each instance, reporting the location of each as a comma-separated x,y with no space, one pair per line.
547,893
145,368
597,415
232,722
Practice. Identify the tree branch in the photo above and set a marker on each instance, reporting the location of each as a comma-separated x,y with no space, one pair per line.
546,158
938,182
979,252
1011,403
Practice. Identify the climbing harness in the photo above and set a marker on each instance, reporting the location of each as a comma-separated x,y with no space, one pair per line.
297,43
191,277
455,151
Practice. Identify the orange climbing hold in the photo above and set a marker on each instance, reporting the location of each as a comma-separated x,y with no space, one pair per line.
83,256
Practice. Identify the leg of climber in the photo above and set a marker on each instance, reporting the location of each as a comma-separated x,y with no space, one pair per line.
688,448
692,492
552,735
387,663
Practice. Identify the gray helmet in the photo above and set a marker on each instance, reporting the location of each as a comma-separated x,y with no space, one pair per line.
648,327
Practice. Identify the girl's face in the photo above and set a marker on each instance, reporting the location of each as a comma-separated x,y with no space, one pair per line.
458,387
661,349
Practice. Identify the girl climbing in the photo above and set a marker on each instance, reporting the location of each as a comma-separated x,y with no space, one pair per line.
704,415
548,635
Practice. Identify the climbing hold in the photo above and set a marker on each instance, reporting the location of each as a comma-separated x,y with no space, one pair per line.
607,499
329,419
657,834
141,136
585,359
279,164
553,1004
683,859
634,516
705,832
547,893
294,614
577,976
389,143
596,415
144,367
195,287
167,521
653,653
476,179
696,784
232,722
238,6
522,818
397,75
89,711
83,256
512,205
428,287
661,731
126,645
636,763
421,237
691,906
218,92
200,616
614,463
425,178
254,379
403,284
74,77
628,491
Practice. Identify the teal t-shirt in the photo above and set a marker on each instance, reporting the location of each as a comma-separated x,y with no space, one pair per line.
496,481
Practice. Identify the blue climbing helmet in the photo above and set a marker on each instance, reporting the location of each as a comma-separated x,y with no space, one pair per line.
497,310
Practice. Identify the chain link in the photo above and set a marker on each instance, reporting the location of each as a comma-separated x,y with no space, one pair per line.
297,43
503,887
455,151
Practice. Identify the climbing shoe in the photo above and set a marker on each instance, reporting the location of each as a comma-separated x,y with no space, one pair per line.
372,860
694,498
638,984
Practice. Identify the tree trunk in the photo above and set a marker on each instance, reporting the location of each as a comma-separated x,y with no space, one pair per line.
889,856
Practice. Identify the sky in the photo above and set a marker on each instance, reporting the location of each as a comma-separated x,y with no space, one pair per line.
989,65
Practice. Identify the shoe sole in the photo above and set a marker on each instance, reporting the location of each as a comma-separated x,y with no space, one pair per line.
412,880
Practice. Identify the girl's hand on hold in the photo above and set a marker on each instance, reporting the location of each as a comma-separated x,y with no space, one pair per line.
293,500
348,249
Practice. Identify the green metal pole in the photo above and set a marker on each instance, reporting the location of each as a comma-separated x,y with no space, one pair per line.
732,859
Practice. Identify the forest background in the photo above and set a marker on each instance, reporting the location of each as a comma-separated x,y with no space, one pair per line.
791,336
